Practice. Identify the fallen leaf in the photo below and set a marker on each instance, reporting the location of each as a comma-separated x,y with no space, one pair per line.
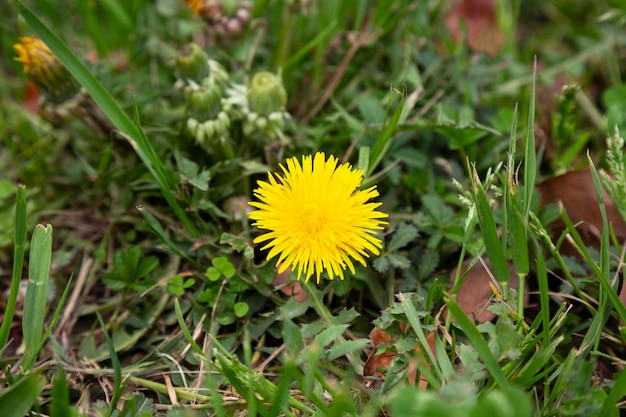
475,293
479,18
290,288
576,192
376,364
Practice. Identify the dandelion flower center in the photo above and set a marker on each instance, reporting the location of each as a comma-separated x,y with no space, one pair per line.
315,217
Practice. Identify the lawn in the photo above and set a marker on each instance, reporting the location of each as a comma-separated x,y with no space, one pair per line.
312,208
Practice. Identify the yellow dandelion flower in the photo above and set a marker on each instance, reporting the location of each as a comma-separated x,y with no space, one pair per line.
316,218
196,5
45,69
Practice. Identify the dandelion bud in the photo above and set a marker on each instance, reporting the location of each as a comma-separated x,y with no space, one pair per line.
45,69
204,102
192,63
266,94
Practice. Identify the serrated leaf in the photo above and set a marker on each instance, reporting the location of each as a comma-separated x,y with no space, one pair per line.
427,264
405,234
292,309
292,337
398,261
146,266
201,181
381,264
346,316
187,167
312,329
331,334
351,346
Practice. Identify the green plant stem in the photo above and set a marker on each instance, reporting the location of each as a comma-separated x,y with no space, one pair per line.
19,242
521,287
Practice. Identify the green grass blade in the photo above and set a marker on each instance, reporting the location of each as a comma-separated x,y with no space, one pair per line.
60,396
411,314
321,36
544,292
489,230
112,110
479,344
36,291
382,142
18,399
118,386
120,15
185,330
19,244
530,161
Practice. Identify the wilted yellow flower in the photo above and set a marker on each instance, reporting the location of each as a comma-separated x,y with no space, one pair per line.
45,69
316,217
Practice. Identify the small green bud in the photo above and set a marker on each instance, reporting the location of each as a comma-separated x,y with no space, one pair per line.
192,63
204,102
266,94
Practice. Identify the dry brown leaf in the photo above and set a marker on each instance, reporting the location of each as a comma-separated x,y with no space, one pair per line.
474,295
575,191
377,364
291,288
479,19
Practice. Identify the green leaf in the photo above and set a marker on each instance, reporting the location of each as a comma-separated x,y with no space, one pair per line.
513,402
350,346
292,309
406,233
382,142
60,396
381,264
224,266
479,344
292,337
331,334
398,261
617,393
238,243
19,244
213,273
18,399
36,291
146,266
241,309
346,315
489,231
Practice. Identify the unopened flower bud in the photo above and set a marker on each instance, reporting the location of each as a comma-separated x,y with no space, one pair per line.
192,63
266,94
204,102
45,69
